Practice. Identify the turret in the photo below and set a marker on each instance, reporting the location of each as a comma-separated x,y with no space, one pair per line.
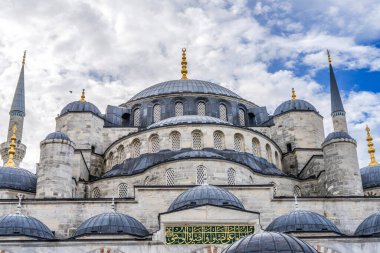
339,150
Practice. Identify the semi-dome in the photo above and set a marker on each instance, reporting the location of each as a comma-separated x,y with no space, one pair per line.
370,176
111,224
338,135
294,105
302,221
370,226
205,194
188,119
270,242
17,179
79,106
184,86
57,135
22,225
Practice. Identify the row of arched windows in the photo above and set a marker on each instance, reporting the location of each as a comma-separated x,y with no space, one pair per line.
178,111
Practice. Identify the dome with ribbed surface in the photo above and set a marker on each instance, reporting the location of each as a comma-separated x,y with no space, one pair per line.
188,119
370,176
57,135
78,106
22,225
270,242
370,226
17,179
302,221
294,105
111,224
338,135
184,86
205,194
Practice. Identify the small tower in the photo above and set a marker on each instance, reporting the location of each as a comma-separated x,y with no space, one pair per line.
339,150
17,114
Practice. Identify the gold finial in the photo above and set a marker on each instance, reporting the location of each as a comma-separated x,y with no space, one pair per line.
294,96
184,65
329,56
371,149
83,97
23,58
12,150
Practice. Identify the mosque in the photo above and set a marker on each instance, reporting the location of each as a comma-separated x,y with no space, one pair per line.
188,166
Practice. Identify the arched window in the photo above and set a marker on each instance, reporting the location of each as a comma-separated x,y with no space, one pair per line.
231,175
276,157
154,143
241,117
256,147
197,139
170,177
136,117
297,191
201,108
135,148
218,140
250,179
110,160
223,112
156,113
201,174
175,139
96,193
238,143
178,108
122,190
269,153
120,154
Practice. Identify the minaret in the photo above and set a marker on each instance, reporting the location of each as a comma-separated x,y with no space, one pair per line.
338,113
17,114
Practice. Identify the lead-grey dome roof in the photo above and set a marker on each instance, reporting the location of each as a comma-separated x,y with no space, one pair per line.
57,135
78,106
370,176
17,179
184,86
205,194
111,223
22,225
338,135
270,242
188,119
302,221
294,105
370,226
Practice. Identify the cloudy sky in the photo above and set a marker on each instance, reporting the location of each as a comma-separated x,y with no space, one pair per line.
260,49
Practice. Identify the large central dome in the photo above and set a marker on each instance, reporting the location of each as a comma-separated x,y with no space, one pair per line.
184,86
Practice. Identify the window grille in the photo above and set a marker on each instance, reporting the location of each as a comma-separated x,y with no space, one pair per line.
231,176
110,160
123,190
238,143
178,109
218,140
201,107
251,179
223,112
269,153
197,140
156,113
241,117
120,154
154,144
135,150
201,175
297,191
136,117
96,193
175,138
256,147
170,177
277,159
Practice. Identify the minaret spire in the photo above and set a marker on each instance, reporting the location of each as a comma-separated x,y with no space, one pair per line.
184,65
371,149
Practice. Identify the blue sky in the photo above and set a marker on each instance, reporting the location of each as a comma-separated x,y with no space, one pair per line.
260,49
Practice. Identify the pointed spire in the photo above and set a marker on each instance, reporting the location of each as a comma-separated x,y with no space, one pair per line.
294,96
336,100
83,96
18,103
371,149
184,65
12,150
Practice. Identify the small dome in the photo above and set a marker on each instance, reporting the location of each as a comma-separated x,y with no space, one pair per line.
18,225
338,135
270,242
370,176
78,106
205,194
294,105
188,119
370,226
302,221
17,179
57,135
184,86
111,223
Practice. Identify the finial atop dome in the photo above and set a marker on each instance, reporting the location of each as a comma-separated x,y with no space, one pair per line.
19,207
184,65
371,149
12,150
294,96
295,202
23,58
83,96
329,56
113,205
